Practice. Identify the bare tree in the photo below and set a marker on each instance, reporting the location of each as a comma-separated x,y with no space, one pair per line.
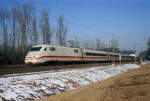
114,43
45,27
34,30
24,14
14,26
98,44
87,44
4,17
61,32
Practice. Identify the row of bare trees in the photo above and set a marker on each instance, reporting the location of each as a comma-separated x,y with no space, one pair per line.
95,44
20,28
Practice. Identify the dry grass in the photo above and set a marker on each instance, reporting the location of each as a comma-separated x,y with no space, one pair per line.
130,86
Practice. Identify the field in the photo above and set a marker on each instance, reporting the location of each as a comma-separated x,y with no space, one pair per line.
130,86
37,85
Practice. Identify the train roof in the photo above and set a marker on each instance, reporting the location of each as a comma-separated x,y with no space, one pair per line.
39,45
53,46
84,50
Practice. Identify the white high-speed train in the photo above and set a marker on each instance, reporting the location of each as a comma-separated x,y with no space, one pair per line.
47,53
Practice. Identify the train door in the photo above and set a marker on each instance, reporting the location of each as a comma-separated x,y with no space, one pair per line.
53,53
81,54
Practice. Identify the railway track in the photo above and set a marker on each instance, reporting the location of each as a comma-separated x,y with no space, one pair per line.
16,69
48,71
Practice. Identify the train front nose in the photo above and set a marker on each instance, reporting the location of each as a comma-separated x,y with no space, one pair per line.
32,55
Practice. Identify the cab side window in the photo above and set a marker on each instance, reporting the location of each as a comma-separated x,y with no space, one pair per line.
52,49
45,49
76,51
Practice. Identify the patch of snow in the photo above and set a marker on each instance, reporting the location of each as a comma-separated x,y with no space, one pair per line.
145,62
41,84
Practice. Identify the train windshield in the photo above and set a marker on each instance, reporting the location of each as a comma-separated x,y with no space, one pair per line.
35,49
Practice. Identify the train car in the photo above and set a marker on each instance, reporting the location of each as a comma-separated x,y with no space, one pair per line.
93,55
114,56
128,57
44,53
48,53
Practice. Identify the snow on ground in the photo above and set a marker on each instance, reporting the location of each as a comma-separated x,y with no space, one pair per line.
145,62
35,86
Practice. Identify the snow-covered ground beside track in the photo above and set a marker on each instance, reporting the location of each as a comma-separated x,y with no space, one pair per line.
145,62
41,84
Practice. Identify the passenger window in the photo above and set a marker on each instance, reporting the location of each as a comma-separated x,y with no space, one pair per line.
76,51
52,49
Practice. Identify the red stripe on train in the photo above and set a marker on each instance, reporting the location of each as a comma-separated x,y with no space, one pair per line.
70,57
59,57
